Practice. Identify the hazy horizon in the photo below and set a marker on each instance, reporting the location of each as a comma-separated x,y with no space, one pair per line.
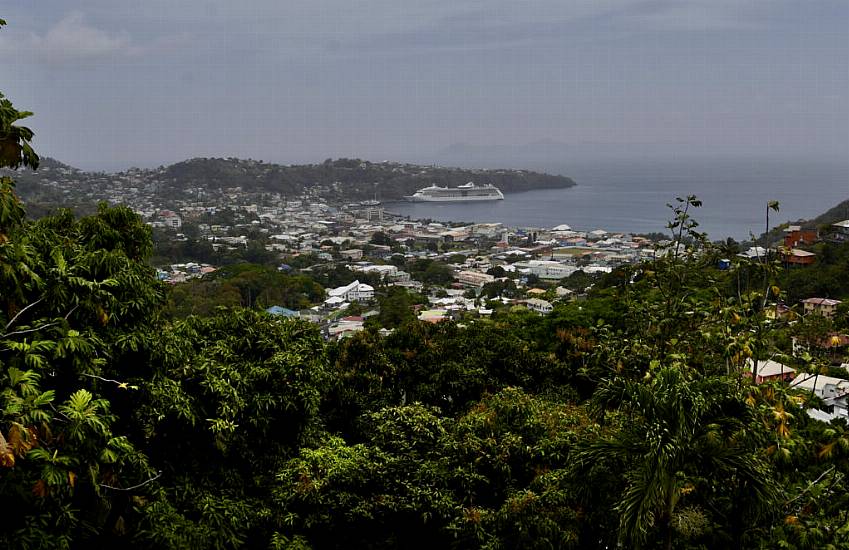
115,83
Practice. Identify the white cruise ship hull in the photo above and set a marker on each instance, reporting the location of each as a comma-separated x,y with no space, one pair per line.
421,198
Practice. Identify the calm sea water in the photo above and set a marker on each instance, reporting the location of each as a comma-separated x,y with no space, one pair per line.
631,196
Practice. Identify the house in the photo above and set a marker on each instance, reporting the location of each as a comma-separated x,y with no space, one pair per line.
797,256
344,328
834,392
563,292
540,306
171,219
779,311
474,278
352,254
794,236
754,252
353,292
835,346
826,307
279,311
770,371
841,230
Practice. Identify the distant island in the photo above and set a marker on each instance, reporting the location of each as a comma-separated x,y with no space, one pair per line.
55,183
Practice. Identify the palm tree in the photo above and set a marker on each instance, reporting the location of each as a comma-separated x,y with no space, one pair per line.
680,436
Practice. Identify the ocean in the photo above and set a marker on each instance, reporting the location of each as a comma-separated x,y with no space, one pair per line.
631,196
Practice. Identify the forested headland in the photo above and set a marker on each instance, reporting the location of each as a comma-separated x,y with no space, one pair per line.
628,419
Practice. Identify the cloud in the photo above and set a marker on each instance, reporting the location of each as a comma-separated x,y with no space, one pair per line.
74,40
505,23
696,16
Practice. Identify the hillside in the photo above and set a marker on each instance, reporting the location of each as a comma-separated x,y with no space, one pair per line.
835,214
352,178
344,179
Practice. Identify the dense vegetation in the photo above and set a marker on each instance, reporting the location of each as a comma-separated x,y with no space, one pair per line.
622,420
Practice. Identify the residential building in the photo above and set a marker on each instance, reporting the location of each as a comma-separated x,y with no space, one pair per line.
797,256
547,269
770,371
841,230
353,292
279,311
352,254
474,278
540,306
833,391
826,307
794,236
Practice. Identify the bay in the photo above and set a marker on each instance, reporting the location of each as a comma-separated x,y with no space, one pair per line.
631,196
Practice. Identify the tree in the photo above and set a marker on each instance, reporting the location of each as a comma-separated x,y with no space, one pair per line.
396,307
380,238
15,147
682,445
496,271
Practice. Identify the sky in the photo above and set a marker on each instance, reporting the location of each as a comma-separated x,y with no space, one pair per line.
119,83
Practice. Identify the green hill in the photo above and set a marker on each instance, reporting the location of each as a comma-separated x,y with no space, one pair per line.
344,179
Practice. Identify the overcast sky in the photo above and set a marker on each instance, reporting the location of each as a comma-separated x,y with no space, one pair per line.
116,83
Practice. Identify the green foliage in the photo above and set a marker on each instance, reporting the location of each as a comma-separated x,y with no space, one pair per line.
15,147
246,285
683,444
826,278
431,272
396,306
623,419
422,480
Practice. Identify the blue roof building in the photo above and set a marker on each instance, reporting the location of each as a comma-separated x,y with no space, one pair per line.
282,312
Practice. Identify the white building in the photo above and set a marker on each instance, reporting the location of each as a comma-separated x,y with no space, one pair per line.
540,306
172,221
352,292
833,391
545,269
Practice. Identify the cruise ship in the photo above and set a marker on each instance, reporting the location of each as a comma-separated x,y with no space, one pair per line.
467,192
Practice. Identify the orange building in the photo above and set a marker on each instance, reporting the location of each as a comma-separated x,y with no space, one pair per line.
794,236
797,256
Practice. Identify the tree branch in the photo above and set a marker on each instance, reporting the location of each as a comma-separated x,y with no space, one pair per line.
122,385
73,309
36,329
21,312
142,484
810,486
